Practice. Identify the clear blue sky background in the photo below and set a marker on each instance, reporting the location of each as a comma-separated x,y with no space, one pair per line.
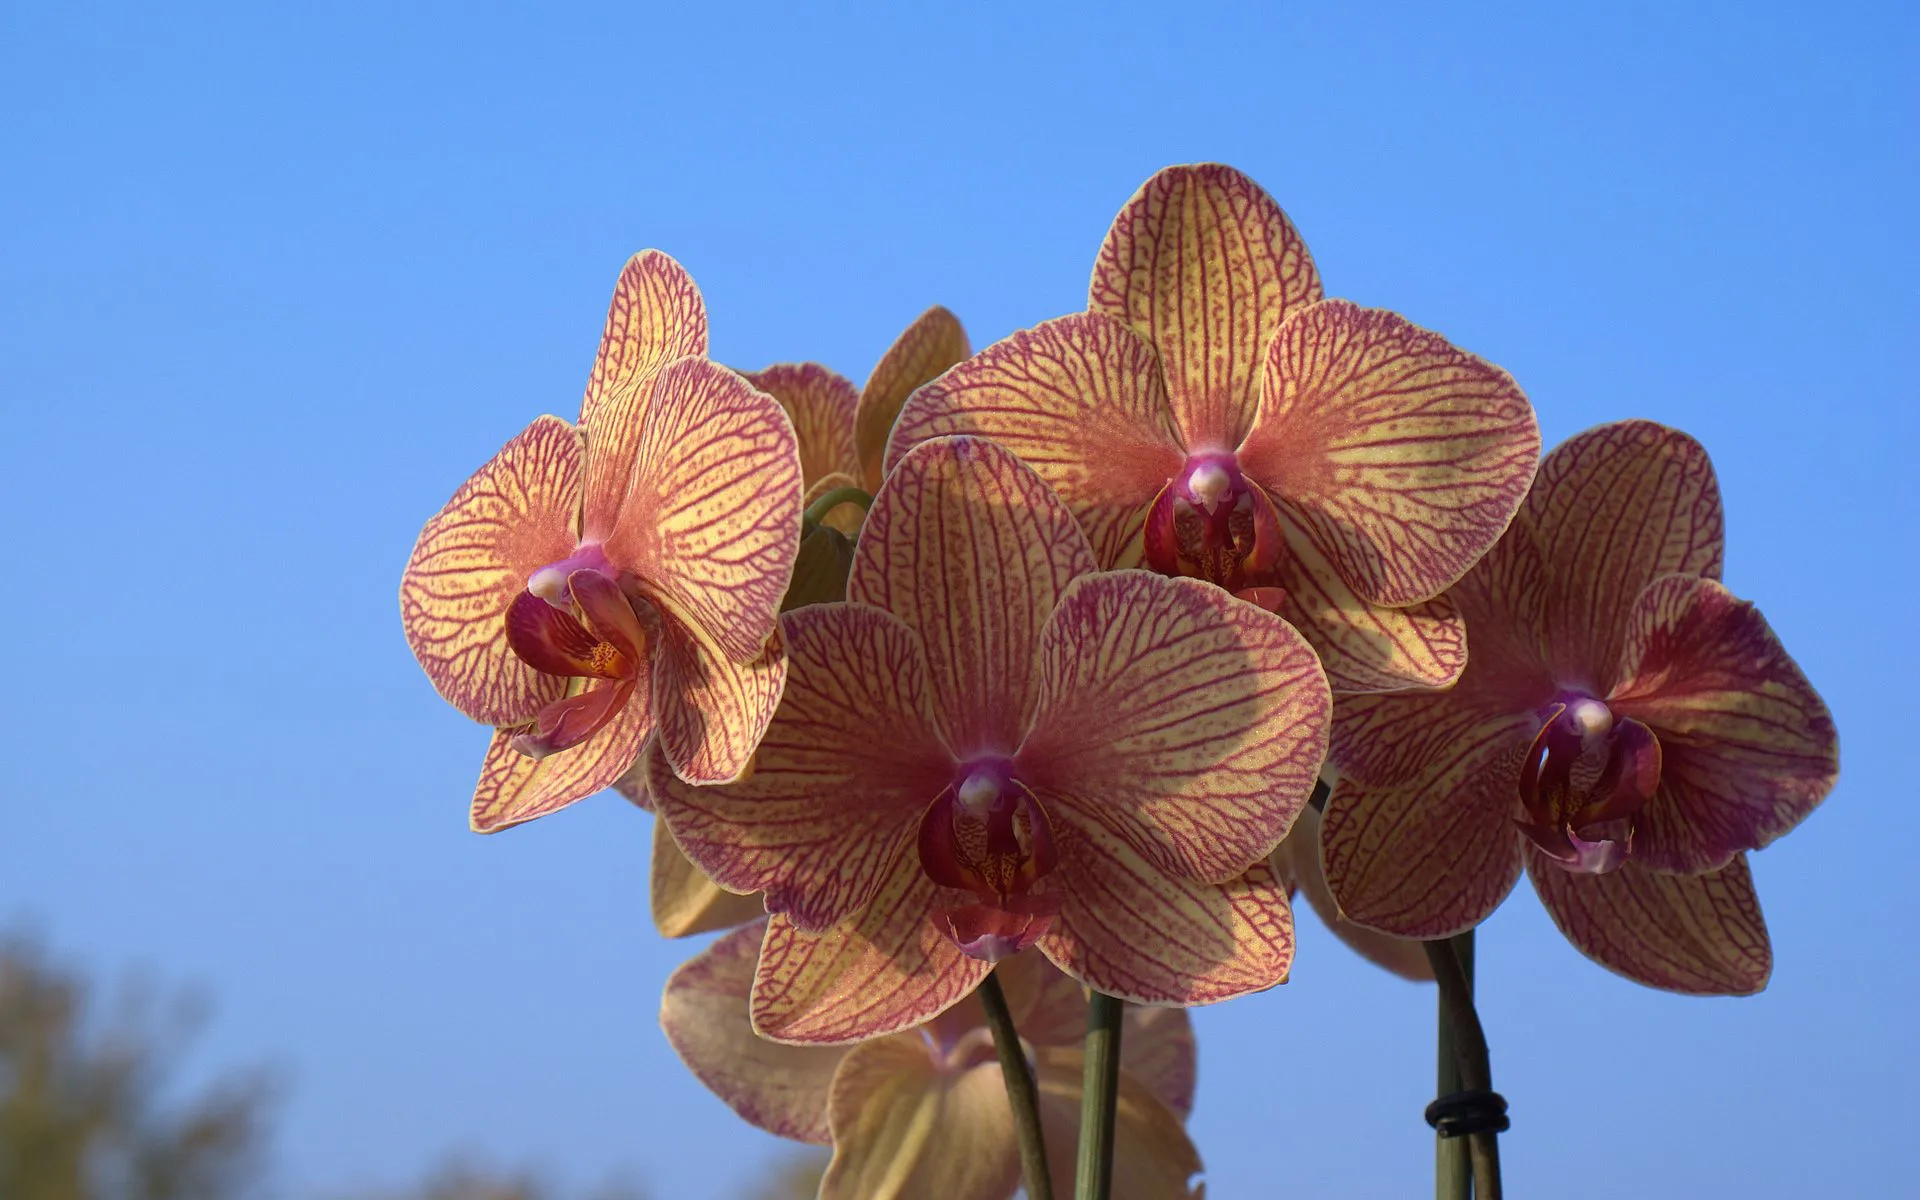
274,280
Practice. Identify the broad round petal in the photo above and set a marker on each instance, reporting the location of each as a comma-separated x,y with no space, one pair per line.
1204,264
656,316
686,901
514,516
713,710
1748,747
934,342
821,403
1153,1158
1402,456
1702,935
781,1089
1081,400
884,970
515,788
839,783
972,550
1298,864
907,1125
1172,715
1613,509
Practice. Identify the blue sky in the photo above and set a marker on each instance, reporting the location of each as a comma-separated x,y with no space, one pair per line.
276,279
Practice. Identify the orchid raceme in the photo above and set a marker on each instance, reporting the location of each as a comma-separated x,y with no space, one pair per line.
595,586
992,745
1626,729
924,1113
1212,415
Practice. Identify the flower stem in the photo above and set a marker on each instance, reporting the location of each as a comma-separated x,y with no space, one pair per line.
832,500
1452,963
1452,1170
1021,1092
1099,1098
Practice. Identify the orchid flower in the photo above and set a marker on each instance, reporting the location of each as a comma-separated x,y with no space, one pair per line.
1626,729
594,586
924,1112
992,745
1213,416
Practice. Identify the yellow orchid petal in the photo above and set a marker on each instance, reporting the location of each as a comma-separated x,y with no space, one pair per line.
686,901
821,403
907,1126
934,342
1157,1048
713,711
1297,862
515,788
1153,1158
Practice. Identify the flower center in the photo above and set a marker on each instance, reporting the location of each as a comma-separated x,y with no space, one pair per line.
989,835
1587,777
589,630
1213,523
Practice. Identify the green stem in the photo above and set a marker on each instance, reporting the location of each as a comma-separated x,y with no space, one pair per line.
1452,1169
1099,1098
1453,971
1021,1092
832,500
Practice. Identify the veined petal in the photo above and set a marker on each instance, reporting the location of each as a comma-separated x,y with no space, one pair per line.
1613,509
971,549
906,1126
1698,934
711,523
656,316
1157,1048
1081,400
1402,456
686,901
1153,1159
1748,747
1298,863
1131,931
934,342
884,970
821,403
516,514
839,782
1366,647
781,1089
712,710
1187,722
1434,857
515,788
1204,264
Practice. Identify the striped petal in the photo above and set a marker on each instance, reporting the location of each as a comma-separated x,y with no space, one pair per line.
906,1124
1748,747
1188,723
1702,935
821,403
1613,509
970,549
934,342
514,788
656,316
884,970
1204,264
1401,456
1298,863
781,1089
686,901
713,711
840,779
1153,1158
1081,400
711,523
514,516
1131,931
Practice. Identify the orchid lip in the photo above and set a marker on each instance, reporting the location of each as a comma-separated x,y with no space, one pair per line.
988,834
1211,522
1586,779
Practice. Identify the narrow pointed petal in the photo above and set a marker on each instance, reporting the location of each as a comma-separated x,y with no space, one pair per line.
821,403
1153,1158
711,524
1435,857
781,1089
515,515
1157,1048
1366,647
970,548
514,788
934,342
1133,932
686,901
1204,264
1702,935
1615,508
839,781
1402,456
1081,400
1750,748
884,970
713,711
905,1126
656,316
1172,715
1298,863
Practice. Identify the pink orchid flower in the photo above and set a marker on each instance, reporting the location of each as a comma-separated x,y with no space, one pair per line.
1626,729
992,745
924,1112
1213,416
595,586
